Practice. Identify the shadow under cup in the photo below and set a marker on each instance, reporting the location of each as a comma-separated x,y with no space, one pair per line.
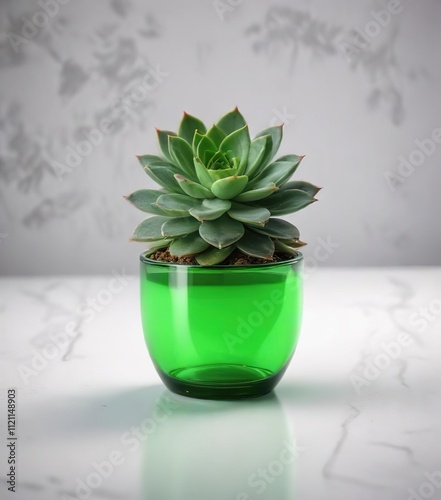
221,332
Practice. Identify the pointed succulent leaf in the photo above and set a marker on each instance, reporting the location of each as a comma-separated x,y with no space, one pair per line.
238,143
163,136
176,205
213,256
294,243
278,172
221,232
218,159
256,245
179,227
230,187
257,194
259,148
256,216
231,121
202,173
196,140
210,209
149,229
295,158
149,160
279,228
283,247
191,244
188,126
216,135
164,177
276,134
193,189
222,173
206,149
303,186
152,246
182,155
145,200
287,202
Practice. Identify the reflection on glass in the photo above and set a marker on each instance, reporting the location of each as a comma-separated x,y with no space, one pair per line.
219,450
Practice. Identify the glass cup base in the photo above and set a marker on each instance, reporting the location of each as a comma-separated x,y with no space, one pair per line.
221,381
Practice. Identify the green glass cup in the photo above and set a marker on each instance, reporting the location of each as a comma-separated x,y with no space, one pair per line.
221,332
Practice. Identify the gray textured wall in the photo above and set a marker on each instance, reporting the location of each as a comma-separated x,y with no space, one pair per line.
355,104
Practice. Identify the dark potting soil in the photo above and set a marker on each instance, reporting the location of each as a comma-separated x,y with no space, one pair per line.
237,258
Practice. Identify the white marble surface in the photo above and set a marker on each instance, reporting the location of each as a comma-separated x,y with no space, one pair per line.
317,437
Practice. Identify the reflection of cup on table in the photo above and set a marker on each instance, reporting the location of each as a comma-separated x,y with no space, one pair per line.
220,450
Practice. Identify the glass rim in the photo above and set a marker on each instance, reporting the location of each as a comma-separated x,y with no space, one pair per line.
294,260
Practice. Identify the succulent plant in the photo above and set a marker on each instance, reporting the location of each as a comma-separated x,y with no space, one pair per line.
220,191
